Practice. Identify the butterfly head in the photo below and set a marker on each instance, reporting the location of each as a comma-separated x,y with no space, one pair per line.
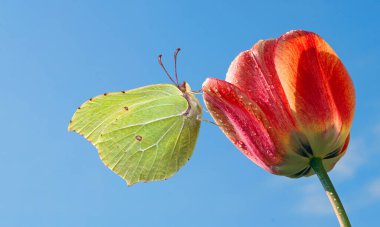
184,87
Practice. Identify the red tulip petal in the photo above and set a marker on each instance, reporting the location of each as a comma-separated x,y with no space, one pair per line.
253,71
318,88
242,121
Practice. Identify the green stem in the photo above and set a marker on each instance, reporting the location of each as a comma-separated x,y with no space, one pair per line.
317,165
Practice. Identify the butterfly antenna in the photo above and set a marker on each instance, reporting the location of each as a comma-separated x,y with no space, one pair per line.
162,65
175,63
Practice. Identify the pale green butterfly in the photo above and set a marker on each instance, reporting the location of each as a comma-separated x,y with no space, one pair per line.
144,134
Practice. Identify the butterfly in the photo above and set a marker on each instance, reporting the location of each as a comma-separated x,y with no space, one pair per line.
145,134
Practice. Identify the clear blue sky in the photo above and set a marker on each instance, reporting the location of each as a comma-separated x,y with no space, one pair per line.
56,54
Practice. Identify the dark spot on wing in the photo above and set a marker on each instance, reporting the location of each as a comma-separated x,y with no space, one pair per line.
90,99
126,107
123,92
105,94
79,108
138,137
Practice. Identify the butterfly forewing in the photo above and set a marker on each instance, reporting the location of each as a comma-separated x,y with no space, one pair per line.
95,114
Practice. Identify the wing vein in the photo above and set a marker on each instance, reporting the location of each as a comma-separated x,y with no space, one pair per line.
175,145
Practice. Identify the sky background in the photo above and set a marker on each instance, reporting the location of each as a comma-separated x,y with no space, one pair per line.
54,55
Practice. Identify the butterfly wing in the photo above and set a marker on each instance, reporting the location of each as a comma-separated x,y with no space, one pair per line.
145,134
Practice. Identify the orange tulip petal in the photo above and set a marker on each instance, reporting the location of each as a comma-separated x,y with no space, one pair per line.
318,88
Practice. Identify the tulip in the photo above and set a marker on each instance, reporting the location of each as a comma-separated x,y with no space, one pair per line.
287,104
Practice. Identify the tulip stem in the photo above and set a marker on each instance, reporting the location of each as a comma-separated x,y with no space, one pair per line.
317,165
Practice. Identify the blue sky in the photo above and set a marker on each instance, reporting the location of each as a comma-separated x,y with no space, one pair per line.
56,54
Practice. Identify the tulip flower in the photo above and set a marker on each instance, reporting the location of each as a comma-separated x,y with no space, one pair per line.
288,105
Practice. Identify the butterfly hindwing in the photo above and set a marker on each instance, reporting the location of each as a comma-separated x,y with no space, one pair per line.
145,134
